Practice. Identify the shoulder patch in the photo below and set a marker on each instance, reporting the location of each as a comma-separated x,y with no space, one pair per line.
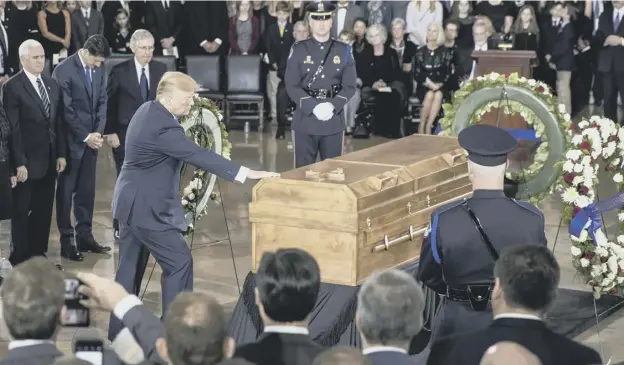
530,207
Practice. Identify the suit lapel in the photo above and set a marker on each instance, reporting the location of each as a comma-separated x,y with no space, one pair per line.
133,80
28,86
83,77
153,81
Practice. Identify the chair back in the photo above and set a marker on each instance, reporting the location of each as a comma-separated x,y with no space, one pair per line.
205,70
243,74
113,61
169,61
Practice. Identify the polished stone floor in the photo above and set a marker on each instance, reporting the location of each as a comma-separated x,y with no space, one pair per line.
227,221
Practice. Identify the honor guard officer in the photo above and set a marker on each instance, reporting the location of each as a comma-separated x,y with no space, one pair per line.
465,237
320,79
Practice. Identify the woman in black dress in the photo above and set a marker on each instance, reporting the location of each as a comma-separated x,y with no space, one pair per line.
525,30
7,180
55,26
462,13
432,71
120,44
380,72
500,13
22,21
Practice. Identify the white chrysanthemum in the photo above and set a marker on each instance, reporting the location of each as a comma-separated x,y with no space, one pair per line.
621,219
602,252
616,161
184,202
596,271
583,124
480,78
586,161
188,190
532,82
494,76
577,139
573,155
570,195
578,180
582,201
595,118
612,263
620,280
584,262
581,238
578,168
562,108
575,251
191,196
566,117
618,178
568,166
522,79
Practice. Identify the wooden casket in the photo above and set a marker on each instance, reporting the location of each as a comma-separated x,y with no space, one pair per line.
362,212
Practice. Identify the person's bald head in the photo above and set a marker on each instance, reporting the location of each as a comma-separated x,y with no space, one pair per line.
509,353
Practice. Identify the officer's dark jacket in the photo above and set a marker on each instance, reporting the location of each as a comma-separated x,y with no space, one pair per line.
339,69
454,254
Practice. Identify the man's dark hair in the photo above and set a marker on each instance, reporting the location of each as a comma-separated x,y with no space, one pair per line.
97,46
235,361
341,356
451,21
195,330
288,282
33,294
529,276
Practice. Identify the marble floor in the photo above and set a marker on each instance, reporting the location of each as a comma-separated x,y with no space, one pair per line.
227,220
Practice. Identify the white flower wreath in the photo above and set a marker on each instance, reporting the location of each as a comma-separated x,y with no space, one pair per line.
600,262
203,126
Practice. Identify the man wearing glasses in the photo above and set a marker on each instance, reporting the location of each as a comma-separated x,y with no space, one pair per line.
130,84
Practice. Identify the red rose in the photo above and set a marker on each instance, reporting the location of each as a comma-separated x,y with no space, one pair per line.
613,138
585,146
603,259
576,210
540,89
584,189
507,75
569,178
589,255
571,126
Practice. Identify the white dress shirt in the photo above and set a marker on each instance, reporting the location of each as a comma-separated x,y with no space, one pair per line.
86,13
23,343
374,349
139,70
597,9
293,330
517,316
33,80
340,19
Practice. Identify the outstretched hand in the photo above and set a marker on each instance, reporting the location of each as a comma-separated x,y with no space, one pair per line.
257,175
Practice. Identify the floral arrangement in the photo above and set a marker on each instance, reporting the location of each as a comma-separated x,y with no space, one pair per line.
540,90
599,261
202,125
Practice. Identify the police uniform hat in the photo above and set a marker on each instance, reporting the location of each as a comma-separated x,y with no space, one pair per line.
487,145
320,10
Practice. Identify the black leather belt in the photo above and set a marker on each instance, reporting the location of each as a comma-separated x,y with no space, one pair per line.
478,295
323,94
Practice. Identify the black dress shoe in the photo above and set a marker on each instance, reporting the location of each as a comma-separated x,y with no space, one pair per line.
70,252
280,134
87,243
59,266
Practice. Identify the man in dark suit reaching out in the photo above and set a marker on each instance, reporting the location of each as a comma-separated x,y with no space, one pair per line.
146,200
82,80
34,107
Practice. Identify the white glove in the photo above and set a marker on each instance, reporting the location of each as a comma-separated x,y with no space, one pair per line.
324,111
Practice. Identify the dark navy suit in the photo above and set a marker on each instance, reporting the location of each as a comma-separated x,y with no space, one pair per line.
147,202
85,112
390,357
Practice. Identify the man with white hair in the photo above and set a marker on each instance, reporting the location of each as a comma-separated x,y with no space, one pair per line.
465,237
146,200
389,315
124,99
33,104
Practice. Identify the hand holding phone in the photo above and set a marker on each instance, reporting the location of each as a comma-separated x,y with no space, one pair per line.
76,314
90,350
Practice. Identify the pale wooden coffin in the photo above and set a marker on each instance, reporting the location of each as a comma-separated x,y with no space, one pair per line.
363,212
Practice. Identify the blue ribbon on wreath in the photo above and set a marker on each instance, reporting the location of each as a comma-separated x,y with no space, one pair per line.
518,134
592,214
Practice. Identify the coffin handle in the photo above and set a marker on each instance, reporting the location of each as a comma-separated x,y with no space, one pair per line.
386,180
386,243
454,158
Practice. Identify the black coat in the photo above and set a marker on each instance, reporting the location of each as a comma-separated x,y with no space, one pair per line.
280,349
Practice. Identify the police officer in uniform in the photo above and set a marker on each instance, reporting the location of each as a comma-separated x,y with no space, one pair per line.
465,237
320,79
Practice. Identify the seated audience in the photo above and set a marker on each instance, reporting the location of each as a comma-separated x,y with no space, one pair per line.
341,356
360,43
432,72
287,287
380,71
509,353
526,281
389,315
405,49
525,30
120,37
244,30
419,16
451,29
462,14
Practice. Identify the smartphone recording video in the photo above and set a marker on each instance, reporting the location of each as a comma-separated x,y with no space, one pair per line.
77,314
90,350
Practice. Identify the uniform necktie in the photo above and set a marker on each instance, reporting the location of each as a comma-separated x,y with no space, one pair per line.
88,75
143,85
281,31
616,22
44,97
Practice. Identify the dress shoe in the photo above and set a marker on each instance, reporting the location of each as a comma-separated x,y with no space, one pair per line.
86,243
69,250
280,134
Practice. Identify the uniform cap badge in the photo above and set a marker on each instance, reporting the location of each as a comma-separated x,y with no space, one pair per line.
336,60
